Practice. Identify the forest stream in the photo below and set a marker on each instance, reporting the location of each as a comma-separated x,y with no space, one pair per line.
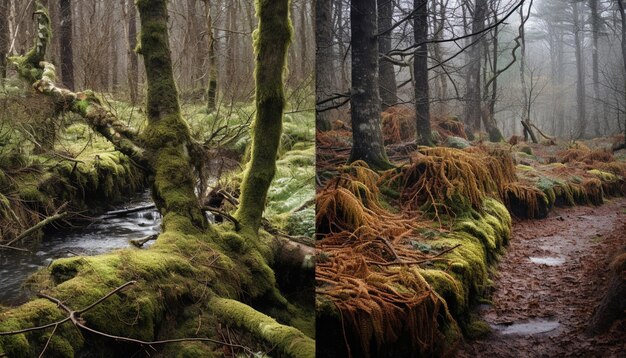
106,233
552,276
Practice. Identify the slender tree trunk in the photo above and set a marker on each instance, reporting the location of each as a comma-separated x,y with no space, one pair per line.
231,50
367,138
387,85
489,117
580,72
133,61
474,93
420,70
595,30
345,81
271,44
67,57
560,80
4,39
441,82
622,13
304,37
212,88
323,61
522,75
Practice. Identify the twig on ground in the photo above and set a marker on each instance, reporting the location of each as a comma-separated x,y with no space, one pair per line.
141,242
74,317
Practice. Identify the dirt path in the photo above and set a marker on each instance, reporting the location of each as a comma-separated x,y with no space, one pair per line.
552,276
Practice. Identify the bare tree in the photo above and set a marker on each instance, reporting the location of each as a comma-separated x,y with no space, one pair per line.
387,83
323,60
367,139
578,29
67,50
420,70
4,38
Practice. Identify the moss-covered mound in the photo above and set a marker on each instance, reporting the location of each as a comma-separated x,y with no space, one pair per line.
184,285
403,255
402,283
33,187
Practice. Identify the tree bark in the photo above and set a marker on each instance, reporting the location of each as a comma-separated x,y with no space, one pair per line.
323,61
67,57
420,70
580,72
474,93
212,88
387,85
132,65
622,13
4,39
595,30
167,136
272,39
367,138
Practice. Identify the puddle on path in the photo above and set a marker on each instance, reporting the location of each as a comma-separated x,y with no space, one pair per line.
550,261
529,327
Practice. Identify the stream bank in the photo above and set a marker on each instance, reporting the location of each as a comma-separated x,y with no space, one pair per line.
106,233
547,284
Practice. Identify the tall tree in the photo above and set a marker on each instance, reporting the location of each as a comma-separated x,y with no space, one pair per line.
323,61
595,31
473,95
387,85
67,50
132,65
367,138
212,88
622,14
578,29
272,39
4,38
420,70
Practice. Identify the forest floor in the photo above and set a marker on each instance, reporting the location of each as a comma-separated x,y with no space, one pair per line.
553,274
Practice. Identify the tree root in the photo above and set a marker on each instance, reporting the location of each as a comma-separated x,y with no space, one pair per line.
287,340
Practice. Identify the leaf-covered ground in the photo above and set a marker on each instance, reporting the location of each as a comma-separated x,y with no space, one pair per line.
585,239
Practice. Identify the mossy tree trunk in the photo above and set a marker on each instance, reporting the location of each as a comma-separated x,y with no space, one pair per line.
167,136
271,41
367,137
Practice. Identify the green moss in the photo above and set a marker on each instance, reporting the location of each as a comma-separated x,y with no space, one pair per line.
287,340
604,176
524,168
477,328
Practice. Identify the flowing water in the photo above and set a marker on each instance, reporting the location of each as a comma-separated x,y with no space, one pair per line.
105,234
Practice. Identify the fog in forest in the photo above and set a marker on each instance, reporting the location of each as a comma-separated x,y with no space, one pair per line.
562,69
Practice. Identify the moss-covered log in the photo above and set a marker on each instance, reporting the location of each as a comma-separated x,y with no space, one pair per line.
271,41
42,76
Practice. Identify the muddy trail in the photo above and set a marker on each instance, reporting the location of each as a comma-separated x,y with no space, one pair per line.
553,274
